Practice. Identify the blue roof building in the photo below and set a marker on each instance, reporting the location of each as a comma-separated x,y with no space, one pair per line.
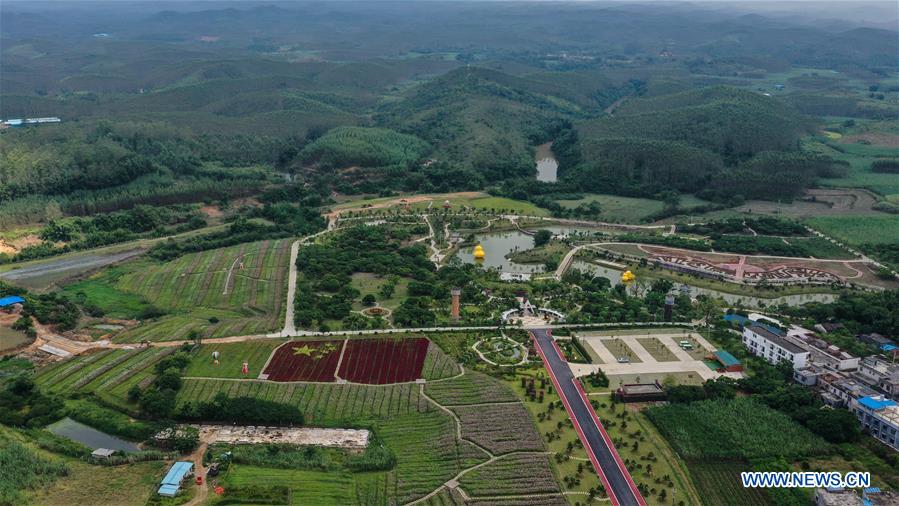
10,300
879,416
172,482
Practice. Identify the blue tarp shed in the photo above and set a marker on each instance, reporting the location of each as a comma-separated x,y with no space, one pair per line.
875,404
172,481
10,300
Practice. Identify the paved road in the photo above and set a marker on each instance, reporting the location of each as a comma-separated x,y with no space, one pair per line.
618,482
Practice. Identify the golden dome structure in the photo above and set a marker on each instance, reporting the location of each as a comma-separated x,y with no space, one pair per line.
627,277
479,252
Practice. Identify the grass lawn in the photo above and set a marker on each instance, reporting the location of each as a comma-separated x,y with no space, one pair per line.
859,230
658,350
619,209
99,290
231,358
369,283
620,349
10,338
555,250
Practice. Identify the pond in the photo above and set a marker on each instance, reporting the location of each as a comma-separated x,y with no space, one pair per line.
10,339
496,246
89,436
547,166
614,275
499,244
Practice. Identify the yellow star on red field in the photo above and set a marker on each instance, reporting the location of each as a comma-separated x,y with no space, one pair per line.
303,350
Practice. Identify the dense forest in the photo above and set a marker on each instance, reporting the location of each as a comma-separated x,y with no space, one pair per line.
170,117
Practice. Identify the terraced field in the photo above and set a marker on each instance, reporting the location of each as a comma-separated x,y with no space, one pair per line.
518,474
109,374
229,291
320,403
471,388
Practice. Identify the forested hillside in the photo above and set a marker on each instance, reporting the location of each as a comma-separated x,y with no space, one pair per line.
718,141
484,121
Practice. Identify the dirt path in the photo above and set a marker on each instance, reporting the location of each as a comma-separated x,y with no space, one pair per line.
201,492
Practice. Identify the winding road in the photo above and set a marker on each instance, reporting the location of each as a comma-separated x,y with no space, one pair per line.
620,487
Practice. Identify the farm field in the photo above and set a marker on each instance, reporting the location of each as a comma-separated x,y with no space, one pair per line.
505,477
381,361
198,293
719,483
857,230
569,462
500,428
231,358
718,429
322,404
127,485
302,486
618,209
438,365
108,374
305,361
471,388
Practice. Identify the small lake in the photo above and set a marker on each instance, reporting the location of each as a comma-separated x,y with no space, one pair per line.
89,436
10,339
499,244
496,246
614,275
547,166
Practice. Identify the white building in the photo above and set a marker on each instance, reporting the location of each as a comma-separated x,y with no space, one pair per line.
880,417
772,347
820,351
881,373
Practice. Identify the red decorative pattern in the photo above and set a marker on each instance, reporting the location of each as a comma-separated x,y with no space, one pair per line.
305,361
382,361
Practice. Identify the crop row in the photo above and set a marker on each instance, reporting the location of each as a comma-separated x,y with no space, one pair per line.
500,428
427,452
382,361
63,383
120,358
192,288
60,370
320,403
438,365
517,474
718,482
470,388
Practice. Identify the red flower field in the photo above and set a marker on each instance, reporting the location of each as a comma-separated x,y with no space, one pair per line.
381,361
304,361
